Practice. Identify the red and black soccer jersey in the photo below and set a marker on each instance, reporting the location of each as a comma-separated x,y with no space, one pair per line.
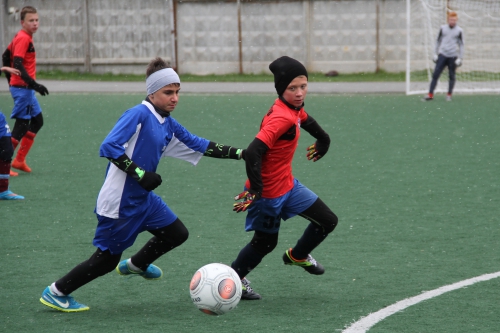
22,46
280,131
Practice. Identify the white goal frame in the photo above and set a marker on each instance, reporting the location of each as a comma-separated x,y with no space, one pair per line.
480,20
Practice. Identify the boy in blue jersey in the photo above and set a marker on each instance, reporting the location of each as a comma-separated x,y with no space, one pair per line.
6,151
126,205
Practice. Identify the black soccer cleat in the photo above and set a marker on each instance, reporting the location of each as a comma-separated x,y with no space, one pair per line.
309,264
427,98
247,292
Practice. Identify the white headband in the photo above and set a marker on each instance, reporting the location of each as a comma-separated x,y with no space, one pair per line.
160,79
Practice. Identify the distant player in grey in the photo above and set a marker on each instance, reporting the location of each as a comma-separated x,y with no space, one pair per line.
449,53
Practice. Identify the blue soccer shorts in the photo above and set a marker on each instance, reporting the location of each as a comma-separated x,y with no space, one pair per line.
116,235
25,103
265,214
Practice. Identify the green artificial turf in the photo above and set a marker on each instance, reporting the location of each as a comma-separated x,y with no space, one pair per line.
415,186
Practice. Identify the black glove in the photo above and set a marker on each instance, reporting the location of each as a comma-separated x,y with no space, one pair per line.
317,150
40,88
150,180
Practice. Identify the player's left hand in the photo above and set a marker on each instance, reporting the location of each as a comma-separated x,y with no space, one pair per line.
316,151
458,62
247,200
41,89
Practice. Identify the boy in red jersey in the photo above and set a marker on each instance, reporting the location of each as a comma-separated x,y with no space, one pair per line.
271,192
21,55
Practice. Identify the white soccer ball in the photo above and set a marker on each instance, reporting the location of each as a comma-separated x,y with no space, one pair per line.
215,289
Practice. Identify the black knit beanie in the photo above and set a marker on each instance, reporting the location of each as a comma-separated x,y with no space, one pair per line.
285,69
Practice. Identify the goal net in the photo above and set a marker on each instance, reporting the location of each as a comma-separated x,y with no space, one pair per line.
480,21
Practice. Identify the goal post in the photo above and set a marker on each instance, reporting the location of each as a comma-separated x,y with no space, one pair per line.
480,21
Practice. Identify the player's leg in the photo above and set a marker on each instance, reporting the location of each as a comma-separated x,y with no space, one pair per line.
323,221
250,256
20,128
165,240
57,295
264,218
21,112
6,152
28,138
169,232
452,67
440,65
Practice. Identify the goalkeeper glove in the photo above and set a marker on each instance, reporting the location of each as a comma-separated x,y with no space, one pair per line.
458,62
248,200
317,151
148,180
435,58
40,88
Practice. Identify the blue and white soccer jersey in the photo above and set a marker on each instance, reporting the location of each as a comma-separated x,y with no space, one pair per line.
145,137
4,127
26,105
265,214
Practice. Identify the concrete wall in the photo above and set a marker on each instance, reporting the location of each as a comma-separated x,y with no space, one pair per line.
121,36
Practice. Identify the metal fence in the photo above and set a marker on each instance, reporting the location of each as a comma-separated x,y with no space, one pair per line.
202,37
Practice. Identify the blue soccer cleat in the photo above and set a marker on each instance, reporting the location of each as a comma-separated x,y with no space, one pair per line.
61,303
152,273
9,195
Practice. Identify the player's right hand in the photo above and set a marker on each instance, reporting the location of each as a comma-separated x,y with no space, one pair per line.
40,88
150,180
435,58
247,200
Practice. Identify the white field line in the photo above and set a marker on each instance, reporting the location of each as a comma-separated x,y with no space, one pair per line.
365,323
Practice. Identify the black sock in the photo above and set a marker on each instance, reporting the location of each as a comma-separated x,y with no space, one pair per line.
100,263
247,260
312,237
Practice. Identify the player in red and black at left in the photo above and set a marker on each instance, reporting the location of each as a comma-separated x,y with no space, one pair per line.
21,55
271,192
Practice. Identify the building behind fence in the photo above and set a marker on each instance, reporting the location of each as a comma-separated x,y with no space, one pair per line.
220,37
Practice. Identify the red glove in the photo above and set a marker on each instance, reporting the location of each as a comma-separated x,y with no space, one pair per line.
248,199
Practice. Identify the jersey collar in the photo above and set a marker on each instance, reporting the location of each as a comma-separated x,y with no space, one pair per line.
162,113
154,110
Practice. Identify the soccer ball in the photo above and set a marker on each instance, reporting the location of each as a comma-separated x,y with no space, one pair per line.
215,289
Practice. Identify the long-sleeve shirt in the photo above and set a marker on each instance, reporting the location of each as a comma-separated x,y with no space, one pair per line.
450,41
145,137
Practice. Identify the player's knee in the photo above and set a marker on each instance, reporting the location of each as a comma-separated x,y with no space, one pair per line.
36,123
264,243
181,237
330,223
20,128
